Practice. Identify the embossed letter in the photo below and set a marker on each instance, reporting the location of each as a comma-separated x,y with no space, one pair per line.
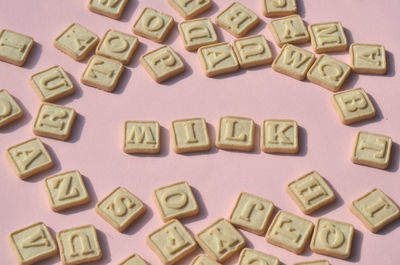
276,134
120,205
85,247
175,241
175,203
287,230
36,239
230,132
5,108
331,237
223,240
66,191
139,133
249,208
310,190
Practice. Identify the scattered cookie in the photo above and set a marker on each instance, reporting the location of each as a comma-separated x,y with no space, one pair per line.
142,137
235,133
9,109
189,8
368,58
252,51
279,136
109,8
288,29
14,47
327,37
278,8
135,259
203,260
197,33
218,59
250,256
314,262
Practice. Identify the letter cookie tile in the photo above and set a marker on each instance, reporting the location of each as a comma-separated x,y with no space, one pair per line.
293,61
189,135
153,25
278,8
310,192
142,137
9,109
252,51
135,259
250,256
120,208
375,210
368,58
252,213
171,242
327,37
314,262
197,32
372,150
235,133
332,238
14,47
54,121
162,63
102,73
289,231
220,240
78,245
32,244
29,157
203,260
190,8
237,19
175,201
118,46
328,72
279,136
218,59
76,41
353,105
52,84
289,29
109,8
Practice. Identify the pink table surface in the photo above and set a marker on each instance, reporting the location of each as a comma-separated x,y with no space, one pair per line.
217,177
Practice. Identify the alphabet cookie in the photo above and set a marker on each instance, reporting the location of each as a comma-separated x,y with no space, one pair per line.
368,58
153,25
197,33
14,47
327,37
109,8
9,109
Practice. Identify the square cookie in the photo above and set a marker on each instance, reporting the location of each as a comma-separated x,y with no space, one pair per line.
250,256
197,32
288,29
142,137
134,259
252,213
162,63
252,51
327,37
314,262
310,192
32,244
102,73
289,231
218,59
9,109
66,190
371,149
368,58
78,245
279,136
189,135
54,121
293,61
52,83
375,210
328,72
14,47
353,105
190,8
203,260
175,201
332,238
153,25
235,133
278,8
76,41
171,242
29,158
220,240
109,8
117,45
237,19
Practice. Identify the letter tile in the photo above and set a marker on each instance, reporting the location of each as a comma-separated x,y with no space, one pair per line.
252,213
250,256
368,58
153,25
293,61
9,109
314,262
279,136
310,192
289,231
203,260
14,47
66,190
197,33
134,259
171,242
188,9
327,37
328,72
372,150
142,137
252,51
32,244
189,135
79,245
162,63
175,201
375,210
120,208
109,8
237,19
76,41
288,29
118,46
278,8
29,158
218,59
235,133
220,240
332,238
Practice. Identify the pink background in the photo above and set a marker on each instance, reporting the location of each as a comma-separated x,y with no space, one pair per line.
217,177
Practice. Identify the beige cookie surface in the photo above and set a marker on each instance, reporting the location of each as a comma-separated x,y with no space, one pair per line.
368,58
250,256
197,33
190,8
14,47
252,51
112,8
217,59
279,136
235,133
313,262
142,137
327,37
9,108
288,29
203,260
134,259
277,8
